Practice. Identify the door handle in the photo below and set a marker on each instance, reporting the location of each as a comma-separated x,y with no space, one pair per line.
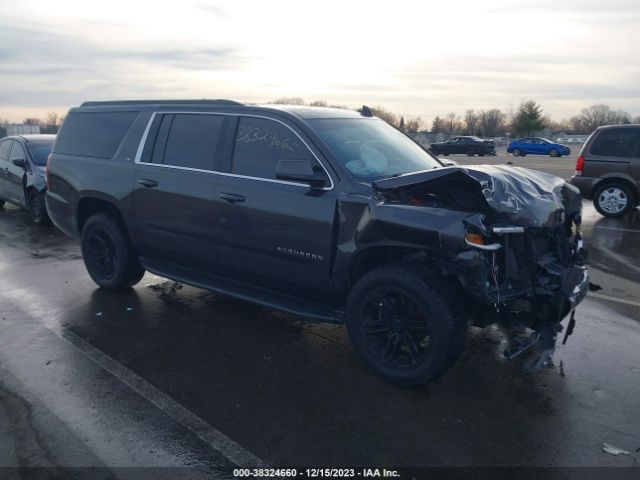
232,197
146,183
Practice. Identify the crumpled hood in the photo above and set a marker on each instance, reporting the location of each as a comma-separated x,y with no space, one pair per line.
506,194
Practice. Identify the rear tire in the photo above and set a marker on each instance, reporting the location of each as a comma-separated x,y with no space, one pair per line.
1,203
37,207
471,153
402,328
108,255
613,200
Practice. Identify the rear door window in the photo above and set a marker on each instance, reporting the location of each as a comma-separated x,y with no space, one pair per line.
193,140
94,134
261,143
615,142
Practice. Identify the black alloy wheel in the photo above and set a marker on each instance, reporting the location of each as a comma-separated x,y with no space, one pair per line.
102,257
402,328
108,255
396,328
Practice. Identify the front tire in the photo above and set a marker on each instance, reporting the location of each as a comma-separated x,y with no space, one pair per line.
402,328
1,203
516,152
108,254
37,207
471,153
553,153
613,200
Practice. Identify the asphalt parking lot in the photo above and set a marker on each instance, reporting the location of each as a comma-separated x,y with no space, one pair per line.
170,375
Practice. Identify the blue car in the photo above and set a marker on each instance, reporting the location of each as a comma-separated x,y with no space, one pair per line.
537,146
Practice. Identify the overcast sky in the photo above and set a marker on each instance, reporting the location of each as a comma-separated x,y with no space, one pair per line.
415,58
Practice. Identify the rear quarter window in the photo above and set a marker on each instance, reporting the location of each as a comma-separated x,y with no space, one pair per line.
617,142
94,134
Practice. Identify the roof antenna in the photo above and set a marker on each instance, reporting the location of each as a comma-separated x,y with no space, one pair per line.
366,111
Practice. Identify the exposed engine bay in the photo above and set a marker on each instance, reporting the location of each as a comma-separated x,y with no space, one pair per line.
522,263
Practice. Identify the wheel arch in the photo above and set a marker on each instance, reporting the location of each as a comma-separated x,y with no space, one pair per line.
90,205
380,255
633,188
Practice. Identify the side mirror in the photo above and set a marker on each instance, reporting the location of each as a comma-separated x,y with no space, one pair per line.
19,162
301,171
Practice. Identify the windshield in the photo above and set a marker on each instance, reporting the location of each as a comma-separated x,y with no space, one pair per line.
39,151
371,149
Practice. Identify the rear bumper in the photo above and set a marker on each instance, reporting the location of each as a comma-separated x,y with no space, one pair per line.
586,185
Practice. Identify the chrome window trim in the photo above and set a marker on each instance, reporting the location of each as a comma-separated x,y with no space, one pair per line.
143,141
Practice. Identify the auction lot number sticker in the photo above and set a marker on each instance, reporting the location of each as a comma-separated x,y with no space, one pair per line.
315,473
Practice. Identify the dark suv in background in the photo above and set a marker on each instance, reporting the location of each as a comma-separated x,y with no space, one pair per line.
608,169
23,160
327,213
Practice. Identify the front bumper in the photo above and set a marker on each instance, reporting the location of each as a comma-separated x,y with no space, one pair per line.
534,275
575,285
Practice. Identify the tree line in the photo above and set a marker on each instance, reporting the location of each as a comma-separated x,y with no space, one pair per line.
526,119
49,124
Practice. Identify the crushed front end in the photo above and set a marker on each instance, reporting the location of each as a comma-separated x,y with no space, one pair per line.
521,262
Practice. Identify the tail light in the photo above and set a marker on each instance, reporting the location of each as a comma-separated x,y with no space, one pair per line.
47,170
579,165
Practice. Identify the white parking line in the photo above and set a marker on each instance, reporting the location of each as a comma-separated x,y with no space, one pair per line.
205,432
614,299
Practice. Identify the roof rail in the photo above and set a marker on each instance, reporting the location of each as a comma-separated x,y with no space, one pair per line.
160,102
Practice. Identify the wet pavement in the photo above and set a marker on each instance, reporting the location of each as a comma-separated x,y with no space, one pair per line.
167,375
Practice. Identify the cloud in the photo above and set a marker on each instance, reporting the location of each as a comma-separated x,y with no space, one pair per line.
212,9
44,68
565,54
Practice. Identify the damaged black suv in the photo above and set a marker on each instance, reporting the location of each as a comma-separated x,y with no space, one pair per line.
326,213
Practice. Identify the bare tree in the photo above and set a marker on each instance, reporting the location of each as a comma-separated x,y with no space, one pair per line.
596,116
414,125
563,125
492,122
289,101
389,117
319,103
32,121
453,124
471,122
